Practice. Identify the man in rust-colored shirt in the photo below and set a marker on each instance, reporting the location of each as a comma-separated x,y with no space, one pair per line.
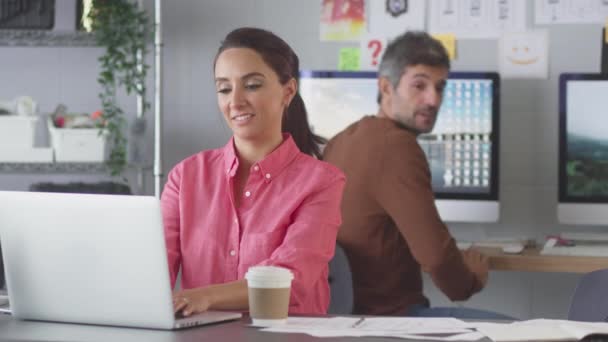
391,229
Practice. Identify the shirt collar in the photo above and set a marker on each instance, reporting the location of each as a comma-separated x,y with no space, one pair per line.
271,166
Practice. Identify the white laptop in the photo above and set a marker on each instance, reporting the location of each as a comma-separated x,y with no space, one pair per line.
93,259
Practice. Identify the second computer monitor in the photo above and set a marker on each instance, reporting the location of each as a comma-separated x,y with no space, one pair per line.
462,150
583,149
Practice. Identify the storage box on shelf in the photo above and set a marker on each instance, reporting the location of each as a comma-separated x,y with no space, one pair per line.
77,144
17,131
17,141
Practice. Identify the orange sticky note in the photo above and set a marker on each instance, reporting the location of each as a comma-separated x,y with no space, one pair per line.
448,40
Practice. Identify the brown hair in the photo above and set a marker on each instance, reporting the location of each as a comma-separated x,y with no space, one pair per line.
279,56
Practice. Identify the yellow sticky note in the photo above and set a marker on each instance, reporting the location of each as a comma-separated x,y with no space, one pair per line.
349,59
448,40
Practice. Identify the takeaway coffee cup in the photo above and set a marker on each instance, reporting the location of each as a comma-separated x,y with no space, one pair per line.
269,288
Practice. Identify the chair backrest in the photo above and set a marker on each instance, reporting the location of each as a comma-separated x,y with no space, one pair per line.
340,284
590,300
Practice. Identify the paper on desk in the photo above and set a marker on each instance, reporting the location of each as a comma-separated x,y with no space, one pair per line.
439,329
469,336
414,325
540,329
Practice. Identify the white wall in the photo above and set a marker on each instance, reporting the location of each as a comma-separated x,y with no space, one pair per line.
192,33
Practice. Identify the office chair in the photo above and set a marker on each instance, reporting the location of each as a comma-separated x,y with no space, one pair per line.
340,284
590,300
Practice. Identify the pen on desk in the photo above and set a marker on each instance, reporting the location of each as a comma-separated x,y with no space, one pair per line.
358,322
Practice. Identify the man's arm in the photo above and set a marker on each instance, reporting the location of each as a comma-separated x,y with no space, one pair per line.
405,192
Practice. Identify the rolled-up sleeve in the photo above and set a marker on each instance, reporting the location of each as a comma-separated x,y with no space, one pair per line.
405,192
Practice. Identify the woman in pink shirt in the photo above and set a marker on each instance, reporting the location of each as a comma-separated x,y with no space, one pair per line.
263,199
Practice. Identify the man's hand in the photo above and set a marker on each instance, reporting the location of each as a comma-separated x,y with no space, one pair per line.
478,264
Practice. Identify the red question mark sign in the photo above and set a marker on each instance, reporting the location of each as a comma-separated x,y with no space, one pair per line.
376,47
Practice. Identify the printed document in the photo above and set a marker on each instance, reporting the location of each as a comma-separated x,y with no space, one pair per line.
540,330
438,329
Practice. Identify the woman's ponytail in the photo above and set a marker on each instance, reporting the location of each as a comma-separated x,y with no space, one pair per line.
295,122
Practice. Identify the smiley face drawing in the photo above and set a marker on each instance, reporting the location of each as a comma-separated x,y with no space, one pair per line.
524,54
521,52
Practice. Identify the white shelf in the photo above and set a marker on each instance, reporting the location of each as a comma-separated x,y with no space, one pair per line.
61,167
46,38
53,168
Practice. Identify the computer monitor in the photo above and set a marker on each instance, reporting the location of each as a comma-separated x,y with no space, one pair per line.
335,99
583,149
462,150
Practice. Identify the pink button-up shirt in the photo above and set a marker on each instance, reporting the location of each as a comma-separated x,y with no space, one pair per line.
289,216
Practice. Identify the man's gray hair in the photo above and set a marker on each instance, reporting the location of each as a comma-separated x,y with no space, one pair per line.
411,48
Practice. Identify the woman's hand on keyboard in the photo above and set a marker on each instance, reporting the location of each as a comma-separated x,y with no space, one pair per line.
227,296
193,301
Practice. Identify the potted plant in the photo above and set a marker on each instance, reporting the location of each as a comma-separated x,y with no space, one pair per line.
124,30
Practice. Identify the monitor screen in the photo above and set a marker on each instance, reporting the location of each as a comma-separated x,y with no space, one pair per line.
462,150
463,146
335,99
583,149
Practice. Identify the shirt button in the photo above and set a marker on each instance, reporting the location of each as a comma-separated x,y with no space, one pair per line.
256,168
232,253
268,176
247,193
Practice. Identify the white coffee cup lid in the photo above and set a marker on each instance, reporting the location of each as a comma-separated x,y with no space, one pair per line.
269,273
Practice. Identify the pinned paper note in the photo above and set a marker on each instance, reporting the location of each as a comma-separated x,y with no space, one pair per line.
524,55
477,18
390,19
570,11
448,40
342,20
348,59
372,48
